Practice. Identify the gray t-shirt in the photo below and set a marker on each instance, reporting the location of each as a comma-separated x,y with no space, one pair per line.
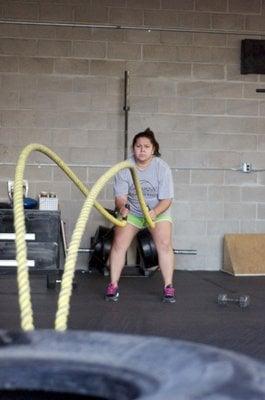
156,183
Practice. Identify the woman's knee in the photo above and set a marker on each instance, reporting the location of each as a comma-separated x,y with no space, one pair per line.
163,244
121,240
119,245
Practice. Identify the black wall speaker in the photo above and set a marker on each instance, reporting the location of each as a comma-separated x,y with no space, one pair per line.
252,56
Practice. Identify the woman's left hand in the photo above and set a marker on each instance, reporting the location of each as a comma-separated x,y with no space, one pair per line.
152,214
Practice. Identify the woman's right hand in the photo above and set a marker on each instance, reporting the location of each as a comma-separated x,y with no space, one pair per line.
124,210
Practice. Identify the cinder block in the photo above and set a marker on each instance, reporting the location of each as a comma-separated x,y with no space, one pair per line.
218,228
209,71
211,5
187,228
56,12
240,179
126,16
18,10
152,87
195,89
177,5
8,64
193,54
194,20
107,68
91,13
180,38
244,7
23,47
33,173
239,211
227,89
17,118
86,49
209,40
206,211
242,107
159,52
244,254
209,106
175,70
224,193
233,74
8,99
54,83
255,23
143,104
207,177
54,48
36,65
108,35
143,4
228,21
124,51
163,18
134,36
224,55
256,194
72,66
191,193
179,105
89,84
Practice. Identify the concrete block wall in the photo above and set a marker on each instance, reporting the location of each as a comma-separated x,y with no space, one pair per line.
62,86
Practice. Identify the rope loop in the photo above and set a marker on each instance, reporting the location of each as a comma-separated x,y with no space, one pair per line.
26,313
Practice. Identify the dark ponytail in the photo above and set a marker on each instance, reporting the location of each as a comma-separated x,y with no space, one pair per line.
149,135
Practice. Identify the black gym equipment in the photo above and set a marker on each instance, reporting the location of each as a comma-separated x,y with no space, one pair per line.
148,251
146,256
44,242
147,248
100,246
54,279
243,301
77,364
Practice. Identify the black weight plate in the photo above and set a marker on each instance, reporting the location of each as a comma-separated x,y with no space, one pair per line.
101,245
147,248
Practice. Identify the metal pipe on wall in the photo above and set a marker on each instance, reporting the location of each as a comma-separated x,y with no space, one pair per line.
128,27
126,109
239,169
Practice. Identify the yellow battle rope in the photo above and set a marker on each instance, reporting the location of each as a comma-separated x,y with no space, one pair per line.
19,222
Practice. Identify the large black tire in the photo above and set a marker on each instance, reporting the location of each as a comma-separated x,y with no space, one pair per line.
112,366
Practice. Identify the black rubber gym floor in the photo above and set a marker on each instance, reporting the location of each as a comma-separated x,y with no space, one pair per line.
195,316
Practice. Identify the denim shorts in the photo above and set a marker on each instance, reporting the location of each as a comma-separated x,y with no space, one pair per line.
140,222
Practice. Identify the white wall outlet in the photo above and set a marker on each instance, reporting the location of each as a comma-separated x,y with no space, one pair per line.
246,167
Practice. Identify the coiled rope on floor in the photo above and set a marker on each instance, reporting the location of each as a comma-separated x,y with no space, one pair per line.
26,313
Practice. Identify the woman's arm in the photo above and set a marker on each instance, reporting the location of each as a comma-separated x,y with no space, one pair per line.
120,203
161,207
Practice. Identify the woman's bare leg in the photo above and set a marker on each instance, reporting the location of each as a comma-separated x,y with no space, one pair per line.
162,236
121,242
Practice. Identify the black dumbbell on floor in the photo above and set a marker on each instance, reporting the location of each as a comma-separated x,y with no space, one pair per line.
243,301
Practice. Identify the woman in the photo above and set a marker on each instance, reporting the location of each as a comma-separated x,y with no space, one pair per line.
157,186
